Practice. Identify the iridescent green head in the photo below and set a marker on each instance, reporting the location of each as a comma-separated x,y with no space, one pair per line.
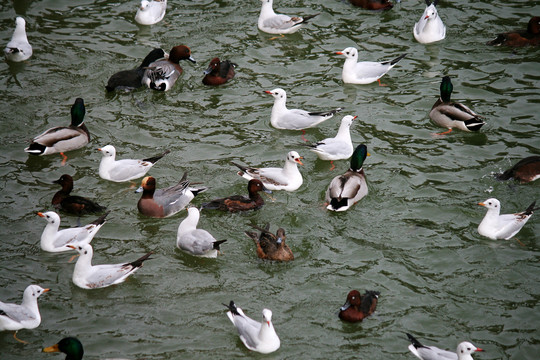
358,157
77,112
446,89
70,346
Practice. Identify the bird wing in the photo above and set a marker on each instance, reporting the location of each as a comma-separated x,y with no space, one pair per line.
280,21
16,312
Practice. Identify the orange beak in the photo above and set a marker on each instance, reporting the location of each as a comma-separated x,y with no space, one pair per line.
40,214
298,160
481,204
339,53
46,290
267,91
71,246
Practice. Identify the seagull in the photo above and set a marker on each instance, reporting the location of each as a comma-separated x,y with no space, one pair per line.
339,147
346,190
18,49
125,169
463,352
151,12
273,23
256,336
88,276
287,178
196,241
495,226
364,72
294,119
53,240
430,27
24,316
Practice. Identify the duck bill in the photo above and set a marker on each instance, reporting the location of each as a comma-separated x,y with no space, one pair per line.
266,190
140,189
345,306
208,70
51,349
192,59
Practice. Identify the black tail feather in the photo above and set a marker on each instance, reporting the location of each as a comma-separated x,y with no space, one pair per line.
154,159
414,342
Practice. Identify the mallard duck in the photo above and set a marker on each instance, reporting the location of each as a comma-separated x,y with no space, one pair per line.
347,189
451,114
270,246
70,346
63,138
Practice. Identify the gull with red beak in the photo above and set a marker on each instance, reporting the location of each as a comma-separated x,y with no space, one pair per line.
430,27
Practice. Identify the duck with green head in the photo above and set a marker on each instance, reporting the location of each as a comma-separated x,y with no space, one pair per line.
70,346
63,138
451,114
347,189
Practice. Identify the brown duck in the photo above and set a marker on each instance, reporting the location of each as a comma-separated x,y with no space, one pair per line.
270,246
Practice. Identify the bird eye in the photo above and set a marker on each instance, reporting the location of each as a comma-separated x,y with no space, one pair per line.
86,252
468,348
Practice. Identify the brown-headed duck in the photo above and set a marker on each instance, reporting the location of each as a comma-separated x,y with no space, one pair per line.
518,38
73,204
218,72
165,202
237,203
63,138
127,80
162,74
270,246
357,306
373,4
526,170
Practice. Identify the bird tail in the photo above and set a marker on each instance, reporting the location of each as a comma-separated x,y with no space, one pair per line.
101,220
35,148
139,262
232,308
414,342
217,243
474,124
530,209
326,113
154,159
306,18
252,235
395,61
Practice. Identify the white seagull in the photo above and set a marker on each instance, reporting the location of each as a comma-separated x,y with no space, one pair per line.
339,147
495,226
430,27
25,316
287,178
88,276
54,240
196,241
364,72
273,23
256,336
151,12
125,169
463,351
18,49
294,119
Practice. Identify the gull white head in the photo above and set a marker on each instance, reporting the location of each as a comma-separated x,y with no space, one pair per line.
267,316
430,13
349,53
294,157
278,93
144,5
466,348
33,291
50,216
108,151
492,204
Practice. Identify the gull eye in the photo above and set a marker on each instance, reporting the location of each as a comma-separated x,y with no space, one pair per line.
86,252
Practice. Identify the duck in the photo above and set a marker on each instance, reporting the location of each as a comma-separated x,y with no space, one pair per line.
525,170
270,246
357,306
364,72
195,241
18,48
218,72
88,276
430,27
506,226
162,74
128,80
463,351
151,12
287,178
519,38
373,4
73,204
272,23
339,147
61,139
71,346
236,203
125,169
165,202
346,190
54,240
451,114
14,317
256,336
295,119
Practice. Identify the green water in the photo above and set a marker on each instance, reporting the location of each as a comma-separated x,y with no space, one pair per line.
413,238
